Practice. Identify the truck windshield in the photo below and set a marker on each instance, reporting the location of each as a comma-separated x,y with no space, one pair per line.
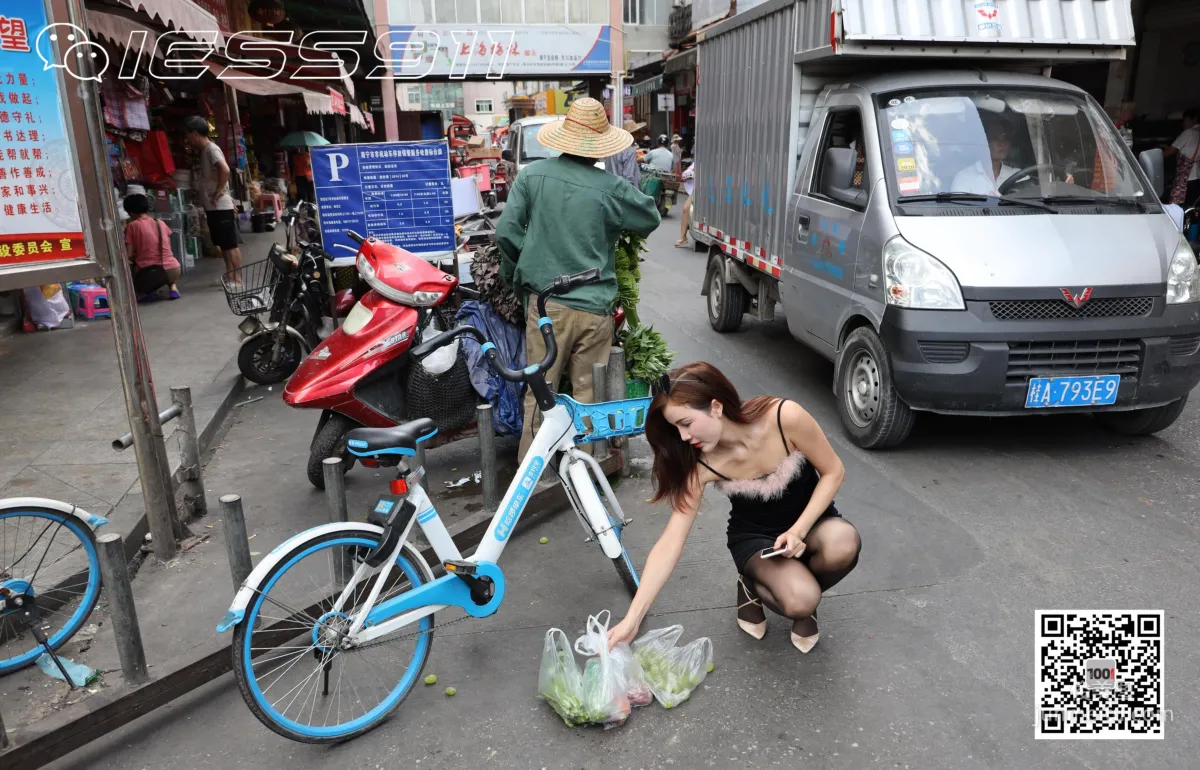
1049,147
531,148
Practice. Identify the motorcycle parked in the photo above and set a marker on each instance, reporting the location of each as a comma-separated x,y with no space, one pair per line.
661,186
361,375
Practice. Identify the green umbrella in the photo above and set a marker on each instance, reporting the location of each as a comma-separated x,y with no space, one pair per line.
303,139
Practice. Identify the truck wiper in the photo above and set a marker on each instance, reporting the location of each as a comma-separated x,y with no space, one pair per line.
966,197
1089,200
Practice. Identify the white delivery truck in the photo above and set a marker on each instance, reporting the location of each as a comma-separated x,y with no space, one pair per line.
956,230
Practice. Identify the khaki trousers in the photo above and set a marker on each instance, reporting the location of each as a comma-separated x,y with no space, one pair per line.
583,339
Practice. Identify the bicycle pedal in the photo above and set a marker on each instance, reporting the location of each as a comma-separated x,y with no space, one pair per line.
459,566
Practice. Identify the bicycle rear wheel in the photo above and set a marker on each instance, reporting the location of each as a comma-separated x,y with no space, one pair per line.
289,665
48,559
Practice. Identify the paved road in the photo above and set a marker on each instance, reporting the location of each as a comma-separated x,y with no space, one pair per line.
926,657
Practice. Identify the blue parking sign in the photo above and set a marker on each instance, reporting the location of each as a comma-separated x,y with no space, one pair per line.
398,192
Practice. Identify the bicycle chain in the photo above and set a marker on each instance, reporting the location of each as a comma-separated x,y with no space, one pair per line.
407,636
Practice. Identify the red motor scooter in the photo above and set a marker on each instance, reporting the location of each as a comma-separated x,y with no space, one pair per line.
361,374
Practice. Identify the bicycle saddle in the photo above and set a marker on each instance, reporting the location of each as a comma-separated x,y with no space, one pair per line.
400,440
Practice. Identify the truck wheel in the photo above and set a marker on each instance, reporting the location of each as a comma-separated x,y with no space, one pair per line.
726,301
872,413
1142,422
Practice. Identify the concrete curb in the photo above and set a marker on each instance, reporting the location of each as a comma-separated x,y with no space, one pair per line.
33,746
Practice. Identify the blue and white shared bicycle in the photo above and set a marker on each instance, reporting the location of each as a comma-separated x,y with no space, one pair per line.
333,628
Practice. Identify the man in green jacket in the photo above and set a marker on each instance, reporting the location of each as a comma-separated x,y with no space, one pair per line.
563,216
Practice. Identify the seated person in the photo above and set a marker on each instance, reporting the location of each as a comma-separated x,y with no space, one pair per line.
981,180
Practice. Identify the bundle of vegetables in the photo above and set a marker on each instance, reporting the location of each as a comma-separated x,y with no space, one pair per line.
485,271
646,354
672,672
562,686
629,275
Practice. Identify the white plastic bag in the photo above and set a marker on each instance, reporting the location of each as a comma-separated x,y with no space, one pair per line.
440,360
672,672
595,695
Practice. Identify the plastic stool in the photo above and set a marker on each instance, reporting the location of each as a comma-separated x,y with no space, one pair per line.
91,302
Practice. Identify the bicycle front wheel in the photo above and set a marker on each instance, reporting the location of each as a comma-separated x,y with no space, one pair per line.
48,560
290,666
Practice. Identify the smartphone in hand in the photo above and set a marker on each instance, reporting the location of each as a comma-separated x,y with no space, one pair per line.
767,553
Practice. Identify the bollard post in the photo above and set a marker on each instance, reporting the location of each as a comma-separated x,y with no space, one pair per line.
617,392
335,492
3,734
420,456
487,453
237,544
599,378
189,453
115,573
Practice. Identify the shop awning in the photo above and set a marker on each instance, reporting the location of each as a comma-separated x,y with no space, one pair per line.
116,29
680,62
324,67
356,116
248,83
182,15
318,104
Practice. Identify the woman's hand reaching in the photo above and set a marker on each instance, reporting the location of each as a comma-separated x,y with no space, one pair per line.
624,632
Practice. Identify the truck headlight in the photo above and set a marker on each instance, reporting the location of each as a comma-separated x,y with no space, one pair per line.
1183,276
917,280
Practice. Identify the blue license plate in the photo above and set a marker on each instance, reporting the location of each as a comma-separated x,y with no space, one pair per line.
1094,390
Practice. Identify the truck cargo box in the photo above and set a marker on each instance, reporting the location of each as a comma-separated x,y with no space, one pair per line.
761,72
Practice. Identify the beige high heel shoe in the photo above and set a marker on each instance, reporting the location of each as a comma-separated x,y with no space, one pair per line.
746,599
805,643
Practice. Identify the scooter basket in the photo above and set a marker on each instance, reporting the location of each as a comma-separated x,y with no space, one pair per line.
256,290
596,422
448,399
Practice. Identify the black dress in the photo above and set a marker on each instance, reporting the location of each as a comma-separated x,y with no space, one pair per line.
765,507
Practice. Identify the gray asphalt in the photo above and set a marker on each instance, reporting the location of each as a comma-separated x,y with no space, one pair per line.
926,657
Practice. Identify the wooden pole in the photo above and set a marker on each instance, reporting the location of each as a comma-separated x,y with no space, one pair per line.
115,574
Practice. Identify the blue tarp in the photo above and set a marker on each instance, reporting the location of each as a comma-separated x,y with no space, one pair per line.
504,396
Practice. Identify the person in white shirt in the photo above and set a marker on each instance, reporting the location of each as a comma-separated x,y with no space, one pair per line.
1187,167
660,157
981,180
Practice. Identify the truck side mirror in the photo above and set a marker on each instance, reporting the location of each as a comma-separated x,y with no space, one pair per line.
1151,162
507,155
837,178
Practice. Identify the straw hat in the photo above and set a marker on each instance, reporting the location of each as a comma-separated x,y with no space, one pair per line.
676,138
585,132
632,127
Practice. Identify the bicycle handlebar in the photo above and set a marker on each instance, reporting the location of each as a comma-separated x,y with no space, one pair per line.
560,286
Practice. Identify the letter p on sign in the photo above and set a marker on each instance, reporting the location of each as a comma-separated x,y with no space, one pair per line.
337,162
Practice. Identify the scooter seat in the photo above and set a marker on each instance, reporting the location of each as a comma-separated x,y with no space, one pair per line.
400,440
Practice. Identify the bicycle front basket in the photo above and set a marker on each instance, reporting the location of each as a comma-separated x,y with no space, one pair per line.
596,422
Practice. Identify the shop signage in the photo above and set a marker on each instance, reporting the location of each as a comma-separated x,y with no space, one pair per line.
499,50
646,86
39,198
666,102
398,192
220,11
337,102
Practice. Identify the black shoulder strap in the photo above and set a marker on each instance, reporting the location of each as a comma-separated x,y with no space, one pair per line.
779,419
714,470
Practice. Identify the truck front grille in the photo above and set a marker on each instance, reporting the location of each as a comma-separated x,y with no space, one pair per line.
1065,359
1055,309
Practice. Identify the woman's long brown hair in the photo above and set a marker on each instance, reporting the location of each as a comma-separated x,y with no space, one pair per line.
696,385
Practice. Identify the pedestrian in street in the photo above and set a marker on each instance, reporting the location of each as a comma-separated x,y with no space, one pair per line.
689,186
780,473
148,247
661,156
563,216
676,154
625,163
212,179
302,173
1186,147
